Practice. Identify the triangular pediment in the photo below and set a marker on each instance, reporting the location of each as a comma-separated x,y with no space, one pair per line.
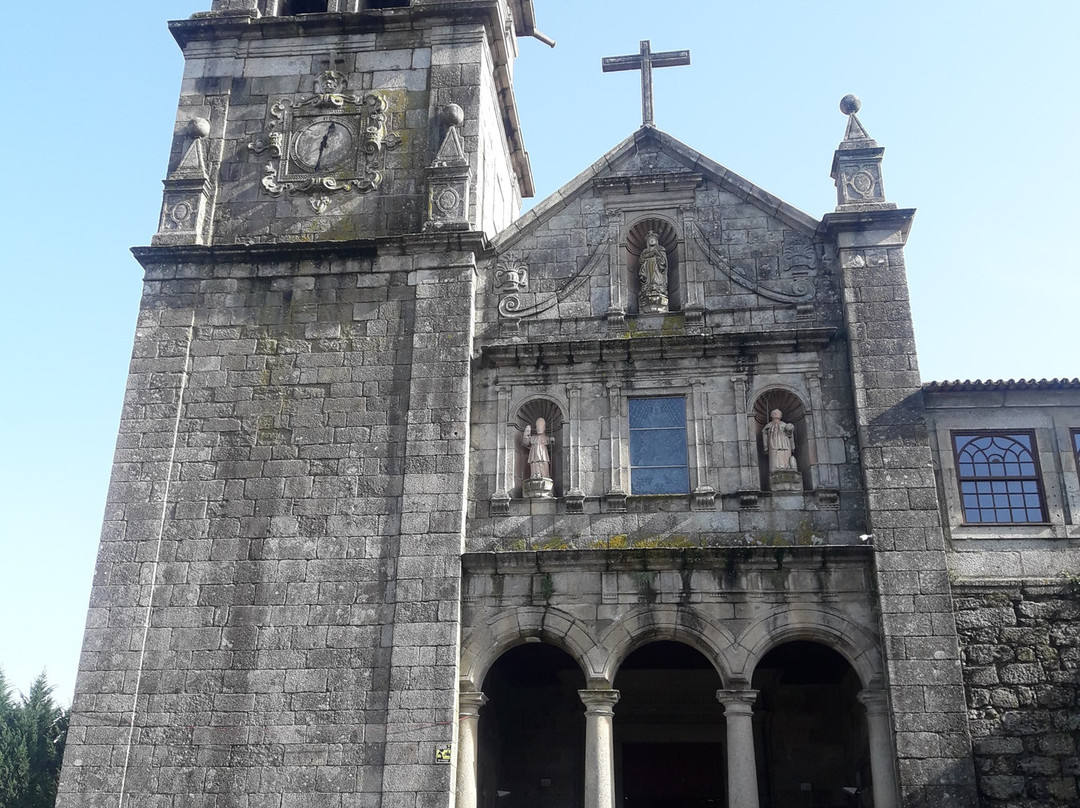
650,158
656,228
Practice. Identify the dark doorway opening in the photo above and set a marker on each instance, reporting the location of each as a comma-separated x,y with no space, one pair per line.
290,8
669,730
810,730
532,731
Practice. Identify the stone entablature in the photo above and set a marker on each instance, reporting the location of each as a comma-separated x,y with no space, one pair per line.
732,604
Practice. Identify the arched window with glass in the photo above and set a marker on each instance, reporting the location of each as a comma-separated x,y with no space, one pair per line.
999,477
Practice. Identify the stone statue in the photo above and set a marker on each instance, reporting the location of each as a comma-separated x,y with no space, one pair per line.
652,271
779,440
538,484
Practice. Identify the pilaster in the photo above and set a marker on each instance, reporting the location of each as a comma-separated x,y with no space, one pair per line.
933,743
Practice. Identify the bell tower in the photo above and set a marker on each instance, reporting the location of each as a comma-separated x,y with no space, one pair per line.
313,120
275,614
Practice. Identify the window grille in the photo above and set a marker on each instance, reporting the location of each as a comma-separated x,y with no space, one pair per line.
658,456
999,477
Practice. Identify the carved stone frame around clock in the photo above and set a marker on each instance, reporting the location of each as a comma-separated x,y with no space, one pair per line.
359,126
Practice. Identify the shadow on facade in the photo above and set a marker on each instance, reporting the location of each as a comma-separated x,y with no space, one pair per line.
810,730
532,734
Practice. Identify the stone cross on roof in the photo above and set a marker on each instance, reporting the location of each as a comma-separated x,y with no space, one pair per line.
645,61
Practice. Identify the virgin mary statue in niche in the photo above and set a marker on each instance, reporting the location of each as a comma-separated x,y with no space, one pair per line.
652,271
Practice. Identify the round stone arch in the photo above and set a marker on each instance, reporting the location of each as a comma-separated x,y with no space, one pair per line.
648,624
857,645
794,405
482,647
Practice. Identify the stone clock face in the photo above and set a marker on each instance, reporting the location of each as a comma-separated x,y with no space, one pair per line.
323,146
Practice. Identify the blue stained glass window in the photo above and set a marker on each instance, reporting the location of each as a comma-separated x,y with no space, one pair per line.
658,458
1076,446
999,477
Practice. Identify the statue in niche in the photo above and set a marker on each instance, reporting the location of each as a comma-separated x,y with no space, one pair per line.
652,271
538,484
778,438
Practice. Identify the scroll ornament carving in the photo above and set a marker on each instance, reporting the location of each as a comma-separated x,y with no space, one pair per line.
511,275
801,255
330,142
521,305
798,290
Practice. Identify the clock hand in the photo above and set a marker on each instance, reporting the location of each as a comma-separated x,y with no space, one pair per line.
323,145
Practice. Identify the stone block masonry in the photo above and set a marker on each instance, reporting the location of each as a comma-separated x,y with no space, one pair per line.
274,618
1021,650
933,744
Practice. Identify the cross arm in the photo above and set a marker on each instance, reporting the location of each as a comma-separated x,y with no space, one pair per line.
613,64
670,58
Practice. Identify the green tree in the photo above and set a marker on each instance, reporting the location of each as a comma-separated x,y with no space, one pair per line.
32,735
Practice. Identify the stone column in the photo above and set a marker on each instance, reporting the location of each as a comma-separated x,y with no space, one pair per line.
616,311
749,483
575,497
599,751
704,494
693,290
741,763
879,732
469,705
504,455
617,488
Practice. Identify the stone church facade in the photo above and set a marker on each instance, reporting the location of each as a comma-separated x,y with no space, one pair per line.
636,499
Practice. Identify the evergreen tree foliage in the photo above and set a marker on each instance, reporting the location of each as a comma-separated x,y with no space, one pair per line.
32,735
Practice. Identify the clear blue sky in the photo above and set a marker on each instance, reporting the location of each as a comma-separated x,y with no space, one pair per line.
976,102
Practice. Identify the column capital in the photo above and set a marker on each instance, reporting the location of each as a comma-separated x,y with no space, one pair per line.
599,702
470,702
876,702
737,702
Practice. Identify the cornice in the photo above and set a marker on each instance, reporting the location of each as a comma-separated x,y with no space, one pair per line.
412,244
653,347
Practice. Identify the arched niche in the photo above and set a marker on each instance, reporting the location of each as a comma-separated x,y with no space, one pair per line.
528,415
794,413
810,730
532,730
637,239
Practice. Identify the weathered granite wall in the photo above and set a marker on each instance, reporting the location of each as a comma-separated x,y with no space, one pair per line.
274,616
1021,657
